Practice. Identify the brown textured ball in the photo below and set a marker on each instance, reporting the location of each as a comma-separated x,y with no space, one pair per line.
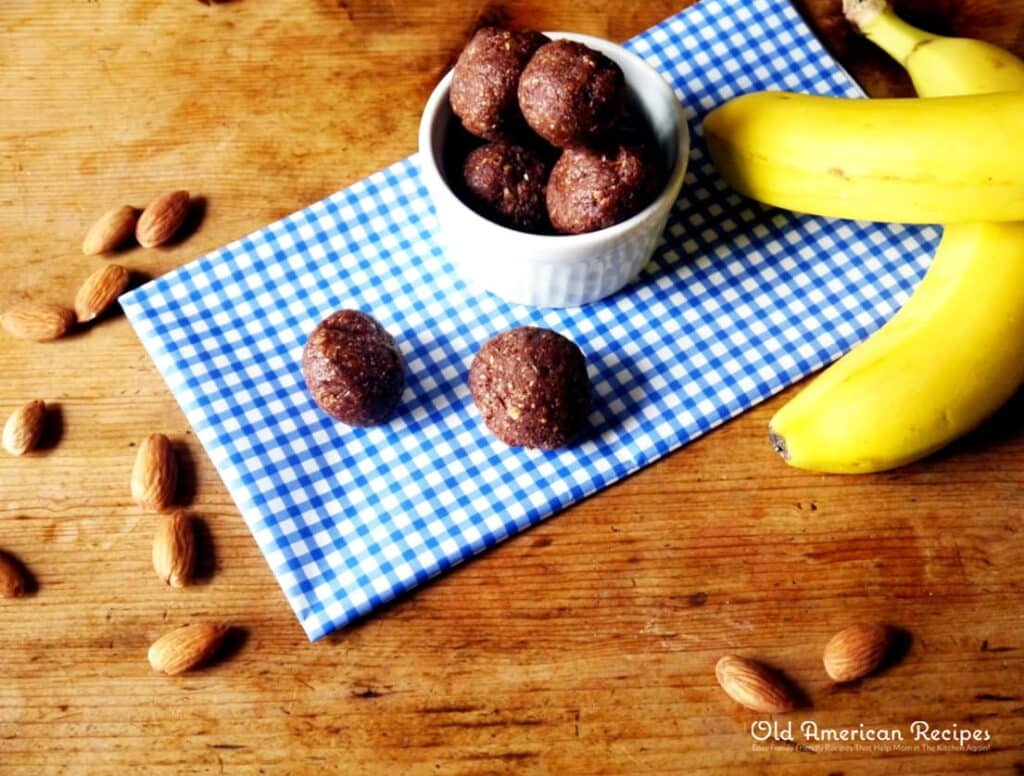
531,386
485,79
507,183
353,368
591,189
570,94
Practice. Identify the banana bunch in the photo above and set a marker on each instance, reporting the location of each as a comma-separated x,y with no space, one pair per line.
955,352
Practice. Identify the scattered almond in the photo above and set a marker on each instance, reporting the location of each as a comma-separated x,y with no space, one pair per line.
753,685
155,473
38,321
111,231
24,427
187,647
161,219
13,583
856,652
174,549
100,290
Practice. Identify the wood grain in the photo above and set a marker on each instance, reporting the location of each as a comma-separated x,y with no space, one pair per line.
587,644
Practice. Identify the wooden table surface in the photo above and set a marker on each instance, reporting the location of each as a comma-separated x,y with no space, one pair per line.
586,644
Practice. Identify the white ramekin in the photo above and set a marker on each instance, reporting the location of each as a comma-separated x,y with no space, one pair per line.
558,270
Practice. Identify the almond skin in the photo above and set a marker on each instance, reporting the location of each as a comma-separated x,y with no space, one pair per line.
13,583
24,427
161,219
752,685
100,290
38,321
155,473
111,231
187,647
857,651
174,549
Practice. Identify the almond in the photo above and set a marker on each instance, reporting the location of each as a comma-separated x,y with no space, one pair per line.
856,652
111,231
187,647
13,582
753,685
38,321
100,290
155,473
174,549
161,219
24,427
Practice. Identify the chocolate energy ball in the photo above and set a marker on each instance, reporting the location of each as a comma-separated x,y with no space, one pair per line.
507,183
531,387
570,94
353,368
485,78
591,189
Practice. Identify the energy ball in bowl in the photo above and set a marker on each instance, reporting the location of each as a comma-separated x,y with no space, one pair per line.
353,368
570,94
507,184
485,79
593,188
531,386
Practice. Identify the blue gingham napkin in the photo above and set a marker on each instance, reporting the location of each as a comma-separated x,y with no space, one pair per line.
739,302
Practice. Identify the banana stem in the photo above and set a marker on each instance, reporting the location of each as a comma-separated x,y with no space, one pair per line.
862,12
879,24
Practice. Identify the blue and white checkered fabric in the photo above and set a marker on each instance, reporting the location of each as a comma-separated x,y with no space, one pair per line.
739,302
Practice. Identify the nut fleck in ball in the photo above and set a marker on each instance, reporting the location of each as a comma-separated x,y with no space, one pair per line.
570,94
354,369
485,79
531,386
507,183
591,189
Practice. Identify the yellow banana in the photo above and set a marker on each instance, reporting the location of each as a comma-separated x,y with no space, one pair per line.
933,160
955,352
938,66
945,362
